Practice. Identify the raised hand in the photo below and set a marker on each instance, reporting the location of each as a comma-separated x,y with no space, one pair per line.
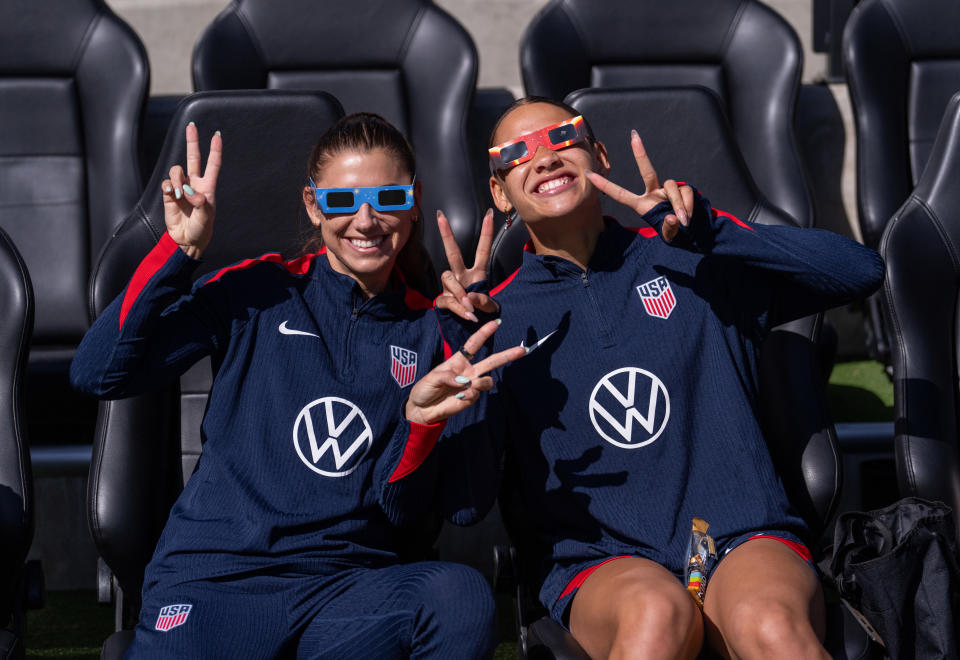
680,197
456,280
455,385
189,201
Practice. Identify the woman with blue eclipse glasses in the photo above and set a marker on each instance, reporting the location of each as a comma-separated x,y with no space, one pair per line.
330,392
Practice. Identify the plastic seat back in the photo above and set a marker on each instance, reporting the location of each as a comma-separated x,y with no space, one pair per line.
407,60
741,49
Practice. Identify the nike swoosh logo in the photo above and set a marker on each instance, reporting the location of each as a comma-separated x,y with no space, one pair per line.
284,330
531,349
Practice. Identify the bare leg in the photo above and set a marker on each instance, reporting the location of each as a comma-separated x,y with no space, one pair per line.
764,601
635,608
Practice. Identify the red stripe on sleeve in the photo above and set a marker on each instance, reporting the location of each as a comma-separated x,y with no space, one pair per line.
724,214
420,443
153,262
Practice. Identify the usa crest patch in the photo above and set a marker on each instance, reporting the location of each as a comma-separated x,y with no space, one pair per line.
657,297
172,616
403,365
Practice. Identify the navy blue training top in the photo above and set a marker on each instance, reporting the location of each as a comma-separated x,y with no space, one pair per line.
308,463
638,411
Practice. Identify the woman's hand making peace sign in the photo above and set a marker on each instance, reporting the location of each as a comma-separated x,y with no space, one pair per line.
189,201
454,385
680,197
456,280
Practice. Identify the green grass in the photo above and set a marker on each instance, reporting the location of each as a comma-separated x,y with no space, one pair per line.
860,392
71,625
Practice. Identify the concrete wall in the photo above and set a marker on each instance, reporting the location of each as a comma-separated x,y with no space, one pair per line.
169,28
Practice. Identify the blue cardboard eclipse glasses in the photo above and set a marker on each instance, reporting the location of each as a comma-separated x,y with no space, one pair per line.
349,200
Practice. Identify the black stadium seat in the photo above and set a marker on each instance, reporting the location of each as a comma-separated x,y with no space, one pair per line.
73,82
902,60
16,485
147,446
741,49
407,60
921,245
689,138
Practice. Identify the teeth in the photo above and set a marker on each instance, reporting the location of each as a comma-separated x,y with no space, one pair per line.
553,183
367,244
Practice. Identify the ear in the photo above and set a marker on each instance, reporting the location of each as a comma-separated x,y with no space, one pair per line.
499,196
601,157
310,203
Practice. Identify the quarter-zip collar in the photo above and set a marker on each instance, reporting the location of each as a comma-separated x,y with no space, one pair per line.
613,246
347,294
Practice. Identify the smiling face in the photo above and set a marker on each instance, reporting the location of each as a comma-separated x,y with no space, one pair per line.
551,184
363,244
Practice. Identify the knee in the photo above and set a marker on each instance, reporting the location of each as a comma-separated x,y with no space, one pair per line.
457,602
768,626
647,615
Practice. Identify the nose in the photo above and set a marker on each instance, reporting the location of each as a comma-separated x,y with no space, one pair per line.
364,219
545,159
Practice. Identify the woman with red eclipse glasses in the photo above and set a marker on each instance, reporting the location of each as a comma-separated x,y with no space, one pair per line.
635,410
330,390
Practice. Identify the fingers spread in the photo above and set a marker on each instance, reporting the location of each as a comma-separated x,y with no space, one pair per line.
214,160
616,192
649,174
193,150
476,341
485,242
450,247
497,360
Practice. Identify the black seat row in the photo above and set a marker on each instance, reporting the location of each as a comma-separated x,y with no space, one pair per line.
62,121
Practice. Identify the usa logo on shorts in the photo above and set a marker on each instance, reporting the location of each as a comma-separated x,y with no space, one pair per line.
172,616
657,297
403,365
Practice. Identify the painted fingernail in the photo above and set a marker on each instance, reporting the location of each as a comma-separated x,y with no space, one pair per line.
461,395
168,190
177,193
191,124
463,380
682,214
472,317
187,189
499,321
218,133
633,133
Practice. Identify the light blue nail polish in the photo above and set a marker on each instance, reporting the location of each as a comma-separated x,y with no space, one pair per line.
187,189
191,124
168,190
461,395
463,380
218,133
177,193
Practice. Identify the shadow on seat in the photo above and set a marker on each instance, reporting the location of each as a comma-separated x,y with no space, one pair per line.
16,483
147,446
689,138
921,245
